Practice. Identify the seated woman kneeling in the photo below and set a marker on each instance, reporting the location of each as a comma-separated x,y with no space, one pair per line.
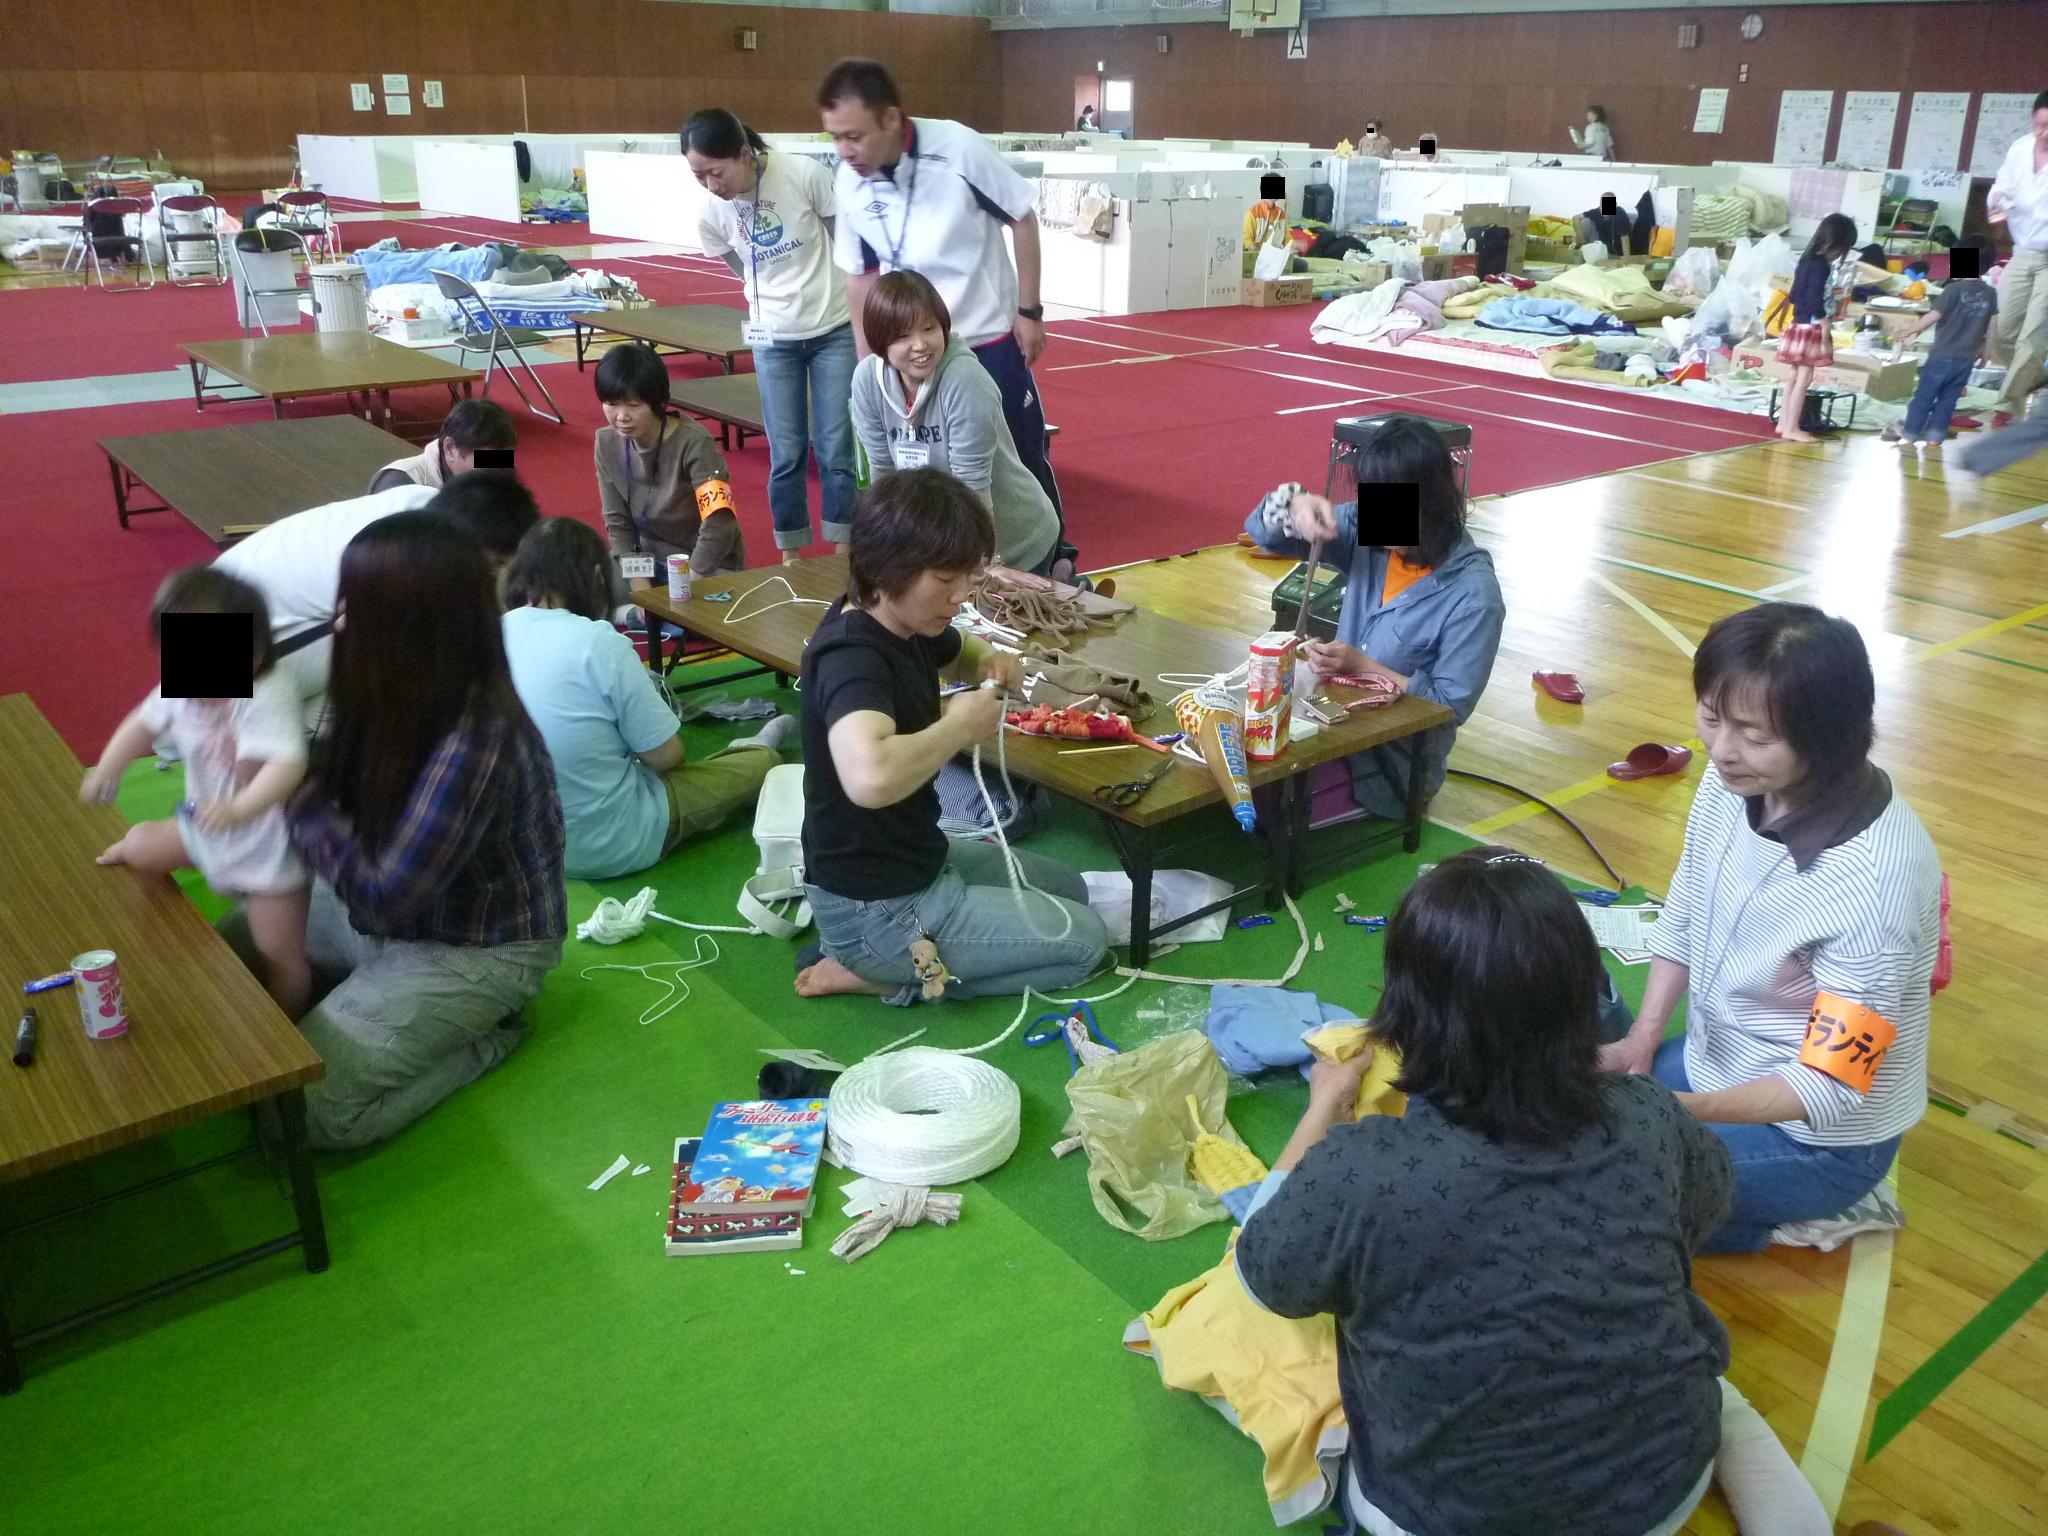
472,426
1519,1347
628,798
1426,616
883,880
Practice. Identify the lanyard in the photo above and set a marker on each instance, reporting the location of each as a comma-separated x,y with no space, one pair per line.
653,477
882,217
753,220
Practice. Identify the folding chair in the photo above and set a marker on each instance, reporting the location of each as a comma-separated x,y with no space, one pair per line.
255,289
93,233
481,332
306,214
207,211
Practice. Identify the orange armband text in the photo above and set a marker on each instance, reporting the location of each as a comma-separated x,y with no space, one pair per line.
1846,1041
713,496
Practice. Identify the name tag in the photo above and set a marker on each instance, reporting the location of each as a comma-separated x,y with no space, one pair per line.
755,334
910,455
637,567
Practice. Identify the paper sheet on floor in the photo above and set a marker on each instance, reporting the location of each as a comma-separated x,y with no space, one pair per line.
1624,932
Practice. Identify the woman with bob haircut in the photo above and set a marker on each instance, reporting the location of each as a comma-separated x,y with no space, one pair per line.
628,797
921,400
1425,616
896,903
1509,1262
1803,925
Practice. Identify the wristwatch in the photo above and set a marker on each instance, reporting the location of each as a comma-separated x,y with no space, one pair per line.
1031,312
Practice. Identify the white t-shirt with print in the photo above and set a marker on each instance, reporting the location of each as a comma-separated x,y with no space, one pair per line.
223,742
786,257
940,211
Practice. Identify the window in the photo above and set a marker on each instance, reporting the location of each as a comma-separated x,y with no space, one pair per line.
1116,96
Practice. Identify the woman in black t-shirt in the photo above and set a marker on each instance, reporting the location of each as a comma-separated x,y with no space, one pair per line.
897,904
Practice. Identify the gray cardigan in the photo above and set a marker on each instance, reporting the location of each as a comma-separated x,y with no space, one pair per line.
957,420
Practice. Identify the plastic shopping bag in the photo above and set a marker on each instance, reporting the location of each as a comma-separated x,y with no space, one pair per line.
1272,262
1695,273
1131,1113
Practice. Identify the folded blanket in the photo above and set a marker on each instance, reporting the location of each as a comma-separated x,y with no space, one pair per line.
1360,317
1623,292
1546,317
1580,362
1463,306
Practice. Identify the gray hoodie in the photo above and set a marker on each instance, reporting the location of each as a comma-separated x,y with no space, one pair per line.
956,424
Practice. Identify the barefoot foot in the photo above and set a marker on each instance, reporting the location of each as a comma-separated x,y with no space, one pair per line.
828,978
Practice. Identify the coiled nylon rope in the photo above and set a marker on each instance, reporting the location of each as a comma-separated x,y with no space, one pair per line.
923,1117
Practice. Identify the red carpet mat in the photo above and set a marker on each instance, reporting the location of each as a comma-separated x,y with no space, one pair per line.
1169,434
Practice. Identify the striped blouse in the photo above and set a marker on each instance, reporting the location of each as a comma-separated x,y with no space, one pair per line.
1762,937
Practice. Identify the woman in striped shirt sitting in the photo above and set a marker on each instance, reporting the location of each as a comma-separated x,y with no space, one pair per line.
1802,925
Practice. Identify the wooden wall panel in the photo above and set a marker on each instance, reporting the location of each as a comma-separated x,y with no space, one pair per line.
1485,81
215,85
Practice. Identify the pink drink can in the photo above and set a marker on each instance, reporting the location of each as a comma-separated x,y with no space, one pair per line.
679,578
99,994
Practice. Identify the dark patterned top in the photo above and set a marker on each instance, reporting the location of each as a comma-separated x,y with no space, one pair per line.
1520,1347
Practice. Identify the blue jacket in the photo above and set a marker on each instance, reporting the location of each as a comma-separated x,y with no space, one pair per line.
1549,317
1442,633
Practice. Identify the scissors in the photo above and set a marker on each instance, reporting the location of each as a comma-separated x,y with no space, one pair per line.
1131,791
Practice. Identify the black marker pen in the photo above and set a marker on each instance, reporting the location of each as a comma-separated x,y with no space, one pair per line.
25,1039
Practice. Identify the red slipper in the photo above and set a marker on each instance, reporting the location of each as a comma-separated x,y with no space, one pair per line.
1561,686
1650,760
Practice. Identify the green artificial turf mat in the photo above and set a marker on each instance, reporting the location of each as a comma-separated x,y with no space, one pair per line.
498,1348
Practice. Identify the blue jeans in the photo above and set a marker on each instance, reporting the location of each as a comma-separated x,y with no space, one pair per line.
991,946
1777,1179
823,366
1942,381
1023,411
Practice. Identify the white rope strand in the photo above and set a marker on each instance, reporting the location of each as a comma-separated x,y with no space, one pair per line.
923,1117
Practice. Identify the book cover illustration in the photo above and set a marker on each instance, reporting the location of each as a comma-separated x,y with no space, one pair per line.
758,1152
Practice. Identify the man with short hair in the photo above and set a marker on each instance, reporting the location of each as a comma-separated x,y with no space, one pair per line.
2019,198
930,196
295,562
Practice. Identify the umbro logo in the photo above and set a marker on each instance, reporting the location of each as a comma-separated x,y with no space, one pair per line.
877,208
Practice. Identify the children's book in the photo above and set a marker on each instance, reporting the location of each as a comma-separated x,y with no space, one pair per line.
732,1231
758,1154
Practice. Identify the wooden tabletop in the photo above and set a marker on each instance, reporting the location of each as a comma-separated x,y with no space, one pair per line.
323,363
237,477
1216,589
203,1035
712,329
733,397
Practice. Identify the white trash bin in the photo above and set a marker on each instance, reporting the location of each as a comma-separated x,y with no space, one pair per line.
341,297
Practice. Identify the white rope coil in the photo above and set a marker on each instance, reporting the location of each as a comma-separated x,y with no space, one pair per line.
923,1117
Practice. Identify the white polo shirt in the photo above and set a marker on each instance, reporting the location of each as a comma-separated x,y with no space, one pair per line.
2024,192
940,211
785,259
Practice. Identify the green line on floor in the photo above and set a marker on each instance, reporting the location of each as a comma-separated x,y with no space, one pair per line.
1912,1396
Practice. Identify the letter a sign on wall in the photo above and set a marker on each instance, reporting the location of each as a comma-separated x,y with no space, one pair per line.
1297,42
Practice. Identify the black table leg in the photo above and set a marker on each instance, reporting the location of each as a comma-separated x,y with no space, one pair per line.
653,641
10,1362
120,492
1296,805
1411,839
198,390
290,1110
583,334
1137,851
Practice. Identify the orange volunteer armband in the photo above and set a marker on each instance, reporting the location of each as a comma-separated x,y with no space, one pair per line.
713,496
1846,1041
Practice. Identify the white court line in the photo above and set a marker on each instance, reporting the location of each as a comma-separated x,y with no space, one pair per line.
1784,586
2000,524
1648,615
1694,485
1576,404
1406,394
1852,1363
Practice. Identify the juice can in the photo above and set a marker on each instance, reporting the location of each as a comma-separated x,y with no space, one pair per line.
1269,695
99,994
679,578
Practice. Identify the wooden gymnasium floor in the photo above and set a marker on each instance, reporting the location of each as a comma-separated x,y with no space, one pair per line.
1911,1369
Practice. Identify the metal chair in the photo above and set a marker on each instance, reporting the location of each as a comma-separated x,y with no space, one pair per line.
268,241
92,236
208,235
481,332
306,214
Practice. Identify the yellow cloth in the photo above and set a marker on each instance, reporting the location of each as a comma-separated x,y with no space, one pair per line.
1466,305
1623,292
1575,363
1276,1377
1664,241
1777,312
1558,231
